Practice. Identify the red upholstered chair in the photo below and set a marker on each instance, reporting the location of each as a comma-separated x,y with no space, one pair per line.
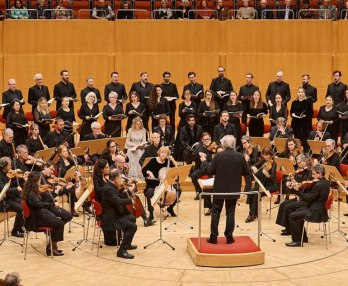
53,113
315,113
29,116
344,170
327,206
266,128
45,229
243,127
2,120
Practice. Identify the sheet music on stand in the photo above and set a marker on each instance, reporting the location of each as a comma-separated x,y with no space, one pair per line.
262,187
280,143
285,165
316,146
83,198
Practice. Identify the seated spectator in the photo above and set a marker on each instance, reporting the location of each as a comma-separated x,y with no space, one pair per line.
288,11
345,12
306,14
246,12
185,10
330,11
18,11
164,12
62,11
124,14
103,12
222,12
261,14
205,12
41,6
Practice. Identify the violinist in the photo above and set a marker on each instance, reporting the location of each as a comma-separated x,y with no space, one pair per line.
290,151
329,155
17,122
65,162
12,200
52,192
320,134
7,145
115,217
35,142
225,128
251,154
25,162
303,174
315,210
281,130
202,149
152,149
58,136
40,215
152,171
265,171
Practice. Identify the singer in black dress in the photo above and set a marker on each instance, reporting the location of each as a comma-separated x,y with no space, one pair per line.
42,117
67,114
113,123
87,113
328,112
15,121
256,107
134,108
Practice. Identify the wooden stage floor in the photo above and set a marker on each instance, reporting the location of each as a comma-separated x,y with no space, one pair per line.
308,265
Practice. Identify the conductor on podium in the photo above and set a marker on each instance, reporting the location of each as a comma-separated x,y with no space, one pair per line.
228,167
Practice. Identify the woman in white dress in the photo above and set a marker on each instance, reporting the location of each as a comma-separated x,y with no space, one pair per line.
135,144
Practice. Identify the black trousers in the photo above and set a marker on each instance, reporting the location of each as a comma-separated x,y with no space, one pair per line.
47,218
296,224
285,209
129,229
14,205
230,206
61,213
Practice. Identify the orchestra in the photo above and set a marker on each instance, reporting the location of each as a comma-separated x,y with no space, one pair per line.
147,155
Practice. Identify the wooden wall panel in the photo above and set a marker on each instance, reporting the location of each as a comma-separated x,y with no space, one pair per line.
2,83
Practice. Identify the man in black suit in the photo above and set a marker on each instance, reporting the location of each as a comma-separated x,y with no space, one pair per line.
115,86
10,95
278,86
288,11
224,128
246,92
197,89
64,88
90,88
315,212
321,134
336,89
221,87
115,217
58,136
169,89
37,91
7,144
264,15
228,167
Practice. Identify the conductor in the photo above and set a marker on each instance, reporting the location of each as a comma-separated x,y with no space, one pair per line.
228,167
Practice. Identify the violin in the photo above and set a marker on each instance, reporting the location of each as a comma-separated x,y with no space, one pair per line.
308,184
248,151
18,173
212,147
46,188
32,161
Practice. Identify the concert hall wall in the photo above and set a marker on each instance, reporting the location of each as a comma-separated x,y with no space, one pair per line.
91,47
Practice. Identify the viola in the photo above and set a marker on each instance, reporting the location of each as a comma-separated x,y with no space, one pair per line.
308,184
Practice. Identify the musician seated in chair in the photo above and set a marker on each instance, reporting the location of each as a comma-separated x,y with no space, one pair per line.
151,150
281,130
320,134
12,199
155,172
115,217
315,211
59,136
96,134
329,156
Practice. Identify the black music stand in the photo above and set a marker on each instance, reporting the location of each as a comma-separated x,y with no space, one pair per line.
176,176
161,188
259,215
5,212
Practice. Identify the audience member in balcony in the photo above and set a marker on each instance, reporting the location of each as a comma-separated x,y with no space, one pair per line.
305,12
185,10
329,11
288,11
164,12
261,13
205,12
10,95
222,12
40,8
62,11
278,86
344,12
125,12
18,11
37,91
246,12
103,12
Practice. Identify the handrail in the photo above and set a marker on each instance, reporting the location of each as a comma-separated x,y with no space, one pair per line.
174,11
91,12
30,13
343,10
133,10
259,230
70,13
196,11
291,12
316,12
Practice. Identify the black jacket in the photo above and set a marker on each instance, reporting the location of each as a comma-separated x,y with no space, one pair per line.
35,93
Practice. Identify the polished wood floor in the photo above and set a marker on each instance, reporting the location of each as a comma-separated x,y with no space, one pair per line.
308,265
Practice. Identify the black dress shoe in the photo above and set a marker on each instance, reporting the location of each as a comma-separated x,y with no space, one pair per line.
131,247
345,214
284,233
148,222
293,244
212,241
229,240
277,202
17,233
196,198
124,254
250,218
151,216
75,214
55,252
305,239
171,212
209,212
